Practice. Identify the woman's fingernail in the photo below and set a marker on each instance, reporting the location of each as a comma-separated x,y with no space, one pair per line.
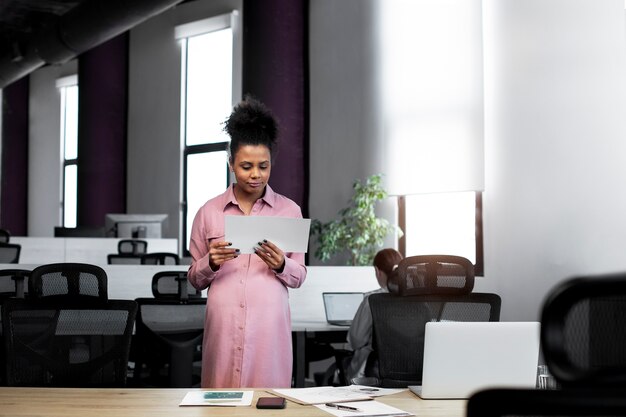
237,251
264,241
260,244
230,243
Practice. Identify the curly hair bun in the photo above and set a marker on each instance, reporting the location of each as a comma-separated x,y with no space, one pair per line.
251,123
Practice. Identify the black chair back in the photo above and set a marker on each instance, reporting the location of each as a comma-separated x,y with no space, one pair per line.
134,247
10,253
583,334
168,341
5,236
68,281
160,258
399,327
173,285
67,344
123,259
433,274
540,403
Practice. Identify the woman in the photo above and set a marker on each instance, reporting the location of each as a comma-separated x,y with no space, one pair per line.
247,337
360,333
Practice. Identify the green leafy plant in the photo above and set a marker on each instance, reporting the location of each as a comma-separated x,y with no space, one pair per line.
357,230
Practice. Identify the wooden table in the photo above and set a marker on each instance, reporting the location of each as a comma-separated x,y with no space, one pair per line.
91,402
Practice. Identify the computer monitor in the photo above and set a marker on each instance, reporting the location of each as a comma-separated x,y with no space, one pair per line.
135,225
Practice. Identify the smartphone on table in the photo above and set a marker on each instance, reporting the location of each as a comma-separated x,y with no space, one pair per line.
270,402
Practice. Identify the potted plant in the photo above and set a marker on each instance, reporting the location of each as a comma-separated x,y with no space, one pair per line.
357,230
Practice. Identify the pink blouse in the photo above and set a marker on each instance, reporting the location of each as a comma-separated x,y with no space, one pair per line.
247,329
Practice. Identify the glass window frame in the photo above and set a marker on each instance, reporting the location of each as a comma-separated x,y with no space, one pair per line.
478,222
183,33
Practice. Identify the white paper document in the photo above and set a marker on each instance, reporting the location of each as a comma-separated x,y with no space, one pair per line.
288,233
364,409
197,398
321,395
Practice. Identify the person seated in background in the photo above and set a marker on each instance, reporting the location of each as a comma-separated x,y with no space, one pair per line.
360,333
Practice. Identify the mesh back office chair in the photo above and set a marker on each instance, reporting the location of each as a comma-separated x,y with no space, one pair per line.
583,334
173,285
10,253
68,281
422,288
160,258
5,236
537,403
80,343
123,259
11,286
399,328
168,341
433,274
134,247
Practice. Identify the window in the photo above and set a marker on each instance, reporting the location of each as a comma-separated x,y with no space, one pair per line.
68,89
433,110
208,88
443,223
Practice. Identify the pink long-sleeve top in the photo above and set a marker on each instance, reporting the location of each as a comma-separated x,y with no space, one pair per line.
247,330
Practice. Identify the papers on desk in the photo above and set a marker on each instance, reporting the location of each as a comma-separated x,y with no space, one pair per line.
365,409
198,398
288,233
322,395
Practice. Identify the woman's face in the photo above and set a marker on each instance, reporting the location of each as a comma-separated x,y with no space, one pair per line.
252,165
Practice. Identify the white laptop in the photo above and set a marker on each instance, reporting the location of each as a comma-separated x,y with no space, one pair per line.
340,307
463,357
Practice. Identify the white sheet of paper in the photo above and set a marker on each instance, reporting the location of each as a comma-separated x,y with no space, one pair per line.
365,409
197,398
288,233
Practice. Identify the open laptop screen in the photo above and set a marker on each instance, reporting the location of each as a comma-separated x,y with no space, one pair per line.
340,307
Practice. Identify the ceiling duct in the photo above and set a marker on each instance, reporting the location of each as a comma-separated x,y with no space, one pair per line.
83,27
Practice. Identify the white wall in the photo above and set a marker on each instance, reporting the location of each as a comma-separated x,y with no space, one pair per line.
555,145
345,99
44,149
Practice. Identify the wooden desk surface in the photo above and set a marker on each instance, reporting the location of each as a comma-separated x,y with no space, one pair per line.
86,402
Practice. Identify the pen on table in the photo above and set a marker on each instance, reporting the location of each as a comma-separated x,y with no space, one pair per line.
341,407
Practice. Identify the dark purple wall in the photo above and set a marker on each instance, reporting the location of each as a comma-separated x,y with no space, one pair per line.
275,70
14,193
103,81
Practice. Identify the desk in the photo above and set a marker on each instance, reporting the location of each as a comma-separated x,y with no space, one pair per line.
86,402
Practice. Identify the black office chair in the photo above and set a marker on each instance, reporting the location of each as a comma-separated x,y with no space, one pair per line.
583,331
399,326
123,259
68,281
10,253
79,343
432,274
13,283
168,342
539,403
134,247
160,258
5,236
173,285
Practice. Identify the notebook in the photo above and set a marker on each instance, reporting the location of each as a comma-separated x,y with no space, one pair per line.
463,357
340,307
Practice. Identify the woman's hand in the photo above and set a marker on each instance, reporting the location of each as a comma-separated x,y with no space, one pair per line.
271,255
220,252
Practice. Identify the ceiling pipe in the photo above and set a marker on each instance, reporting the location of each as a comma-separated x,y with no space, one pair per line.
85,26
